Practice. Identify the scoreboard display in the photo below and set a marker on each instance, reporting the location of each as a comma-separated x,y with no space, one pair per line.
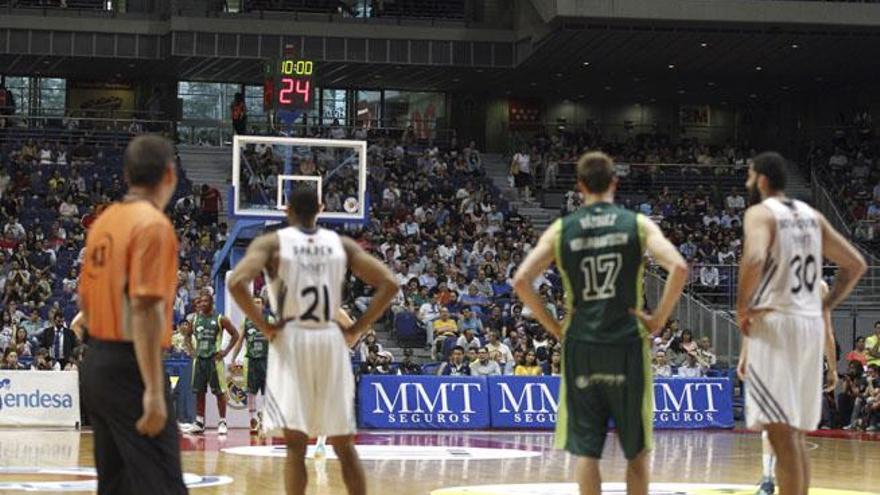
288,84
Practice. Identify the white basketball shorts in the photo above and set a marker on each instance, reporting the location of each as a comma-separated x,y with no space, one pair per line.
784,371
309,383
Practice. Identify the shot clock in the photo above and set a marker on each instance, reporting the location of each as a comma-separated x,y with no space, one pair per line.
288,84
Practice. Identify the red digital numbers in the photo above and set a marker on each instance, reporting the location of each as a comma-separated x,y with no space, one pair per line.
291,85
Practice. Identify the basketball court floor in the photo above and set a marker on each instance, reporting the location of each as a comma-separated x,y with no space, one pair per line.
448,463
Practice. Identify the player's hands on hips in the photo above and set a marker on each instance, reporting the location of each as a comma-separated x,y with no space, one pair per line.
270,330
651,321
155,415
741,369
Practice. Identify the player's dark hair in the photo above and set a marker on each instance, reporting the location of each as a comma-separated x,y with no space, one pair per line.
146,159
304,202
595,170
771,164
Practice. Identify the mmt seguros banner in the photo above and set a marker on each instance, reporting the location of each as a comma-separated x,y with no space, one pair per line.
432,402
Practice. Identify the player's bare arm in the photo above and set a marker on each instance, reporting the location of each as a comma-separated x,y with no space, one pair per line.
375,274
741,365
830,345
850,263
235,337
668,257
187,331
536,262
261,254
78,325
147,319
758,231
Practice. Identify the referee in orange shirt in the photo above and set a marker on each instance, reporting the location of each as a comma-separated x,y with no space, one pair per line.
127,289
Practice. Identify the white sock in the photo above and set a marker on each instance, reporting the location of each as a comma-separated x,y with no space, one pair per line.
769,462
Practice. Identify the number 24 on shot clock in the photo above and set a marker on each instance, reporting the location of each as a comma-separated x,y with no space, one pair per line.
289,84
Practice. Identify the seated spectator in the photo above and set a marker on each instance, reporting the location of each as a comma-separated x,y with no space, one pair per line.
456,366
709,276
408,366
377,362
68,210
469,321
473,299
82,154
661,366
529,366
10,360
495,345
43,362
76,358
484,366
34,324
691,368
444,328
21,343
706,357
858,354
510,366
849,401
687,341
553,367
367,342
45,154
468,341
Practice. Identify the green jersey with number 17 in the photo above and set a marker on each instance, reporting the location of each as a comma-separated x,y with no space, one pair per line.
600,253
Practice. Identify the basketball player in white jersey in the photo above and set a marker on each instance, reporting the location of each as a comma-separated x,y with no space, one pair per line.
767,486
779,309
310,385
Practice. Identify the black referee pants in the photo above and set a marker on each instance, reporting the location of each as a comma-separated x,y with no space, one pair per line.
127,462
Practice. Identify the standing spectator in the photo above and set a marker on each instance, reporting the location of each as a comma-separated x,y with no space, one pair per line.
211,202
872,345
7,105
484,366
456,366
520,170
59,340
239,114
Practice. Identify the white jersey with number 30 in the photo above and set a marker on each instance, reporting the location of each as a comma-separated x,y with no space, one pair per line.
790,281
311,273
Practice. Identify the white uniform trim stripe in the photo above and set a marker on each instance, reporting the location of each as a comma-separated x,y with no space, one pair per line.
759,388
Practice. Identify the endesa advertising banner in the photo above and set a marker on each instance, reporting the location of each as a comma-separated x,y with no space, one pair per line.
39,398
431,402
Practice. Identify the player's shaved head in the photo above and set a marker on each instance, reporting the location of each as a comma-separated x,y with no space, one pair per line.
304,203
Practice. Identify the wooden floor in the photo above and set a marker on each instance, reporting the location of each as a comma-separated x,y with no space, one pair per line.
407,465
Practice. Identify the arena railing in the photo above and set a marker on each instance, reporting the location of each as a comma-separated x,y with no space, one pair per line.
350,10
97,131
65,5
210,132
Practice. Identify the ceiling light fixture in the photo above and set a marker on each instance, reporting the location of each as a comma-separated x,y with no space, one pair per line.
670,66
795,45
704,45
758,68
586,64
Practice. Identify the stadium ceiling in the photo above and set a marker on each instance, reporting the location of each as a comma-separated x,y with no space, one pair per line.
576,59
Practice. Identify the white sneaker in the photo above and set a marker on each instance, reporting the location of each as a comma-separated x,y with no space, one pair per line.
221,428
320,451
197,428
